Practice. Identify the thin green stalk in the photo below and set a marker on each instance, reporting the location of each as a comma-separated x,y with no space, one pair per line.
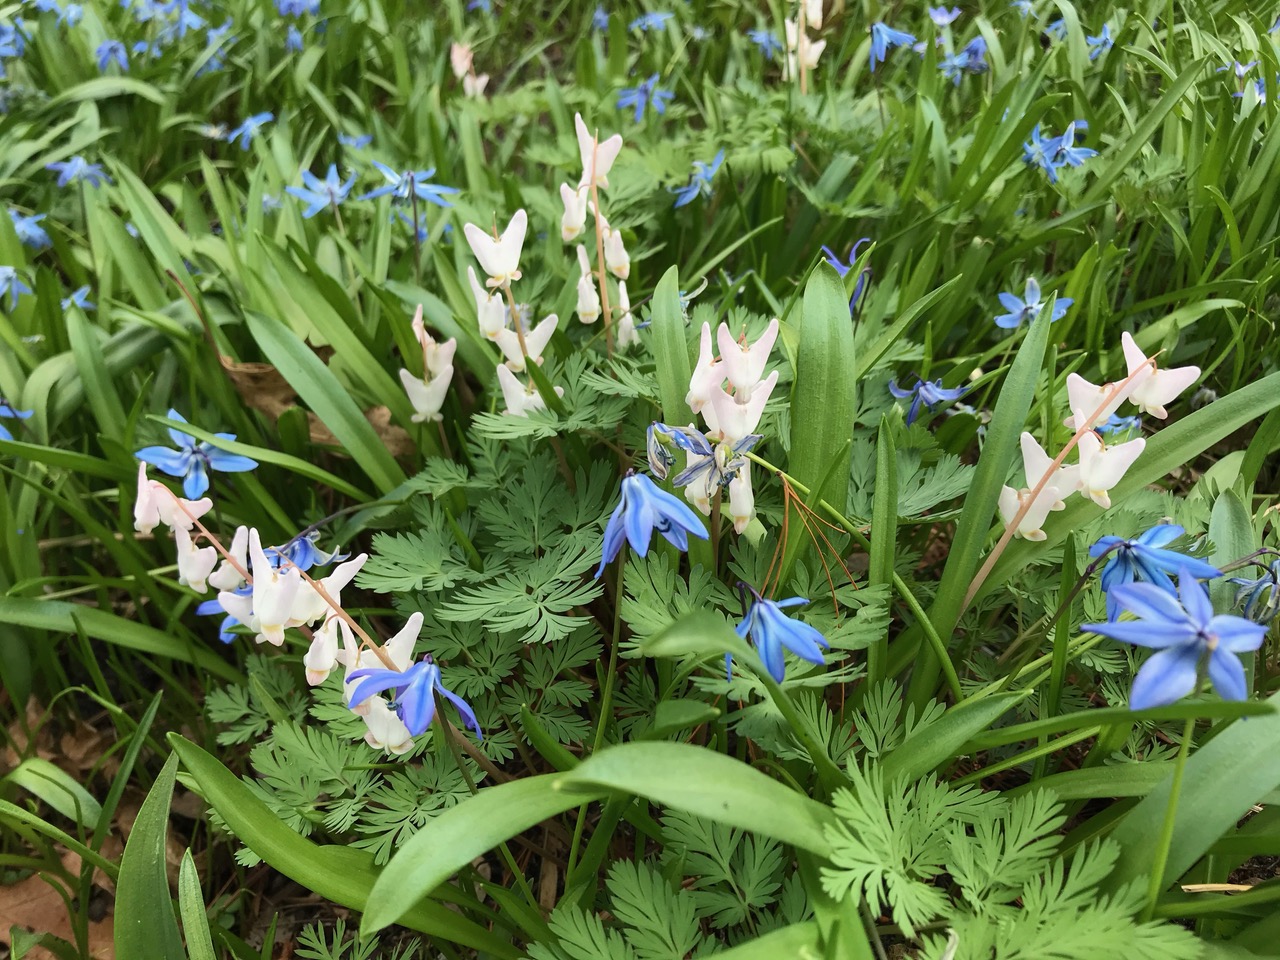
606,697
1156,883
828,773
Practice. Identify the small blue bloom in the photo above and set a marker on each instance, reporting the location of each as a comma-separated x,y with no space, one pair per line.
297,8
301,552
942,16
8,412
644,508
1241,70
1117,425
402,215
843,268
13,39
1185,633
293,39
1101,43
767,41
1067,152
1260,598
651,21
1027,308
600,19
883,39
356,142
484,6
1040,152
414,690
193,460
12,284
974,53
77,169
48,6
79,298
642,96
109,52
249,129
1144,559
71,15
700,181
771,630
28,229
1057,29
321,194
1024,8
930,393
411,183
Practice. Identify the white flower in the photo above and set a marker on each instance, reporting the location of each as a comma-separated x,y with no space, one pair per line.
734,420
1103,465
274,592
615,254
588,308
1036,463
436,357
227,577
626,321
535,342
742,502
520,399
428,396
146,506
194,563
473,85
491,312
575,211
175,511
812,13
1087,399
499,258
744,364
597,158
708,374
309,606
385,730
1153,389
460,57
1032,521
322,655
399,649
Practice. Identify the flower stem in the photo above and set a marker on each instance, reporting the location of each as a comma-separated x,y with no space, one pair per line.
1161,860
606,697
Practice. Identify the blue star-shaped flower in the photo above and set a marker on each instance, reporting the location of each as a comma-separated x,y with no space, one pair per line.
771,630
79,298
109,52
843,268
644,508
28,229
642,96
651,21
1260,598
77,168
414,690
766,41
11,283
193,460
1143,558
700,182
884,38
321,194
8,412
249,129
1027,308
1101,43
928,393
417,183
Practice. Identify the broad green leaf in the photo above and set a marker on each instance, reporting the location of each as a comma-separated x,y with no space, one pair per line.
57,788
936,743
195,923
671,349
144,922
799,941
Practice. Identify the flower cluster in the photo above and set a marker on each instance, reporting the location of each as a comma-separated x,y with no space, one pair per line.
462,62
1051,154
803,51
1101,465
715,459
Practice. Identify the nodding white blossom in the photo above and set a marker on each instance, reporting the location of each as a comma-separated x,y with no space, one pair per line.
1086,399
1036,463
597,158
146,507
744,363
616,257
535,341
499,258
227,576
274,592
742,502
308,603
384,730
801,49
460,58
735,421
322,655
427,393
1154,388
812,13
156,504
708,373
521,398
194,563
588,308
1103,465
491,312
473,84
1032,522
626,320
574,218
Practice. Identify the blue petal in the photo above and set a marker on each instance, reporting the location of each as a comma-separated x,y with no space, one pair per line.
1143,633
1195,598
464,708
1236,633
172,462
180,439
1149,602
229,462
1227,673
613,537
376,680
417,705
1165,678
1161,534
196,482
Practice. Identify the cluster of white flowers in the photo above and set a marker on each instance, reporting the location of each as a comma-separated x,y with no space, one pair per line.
460,58
801,48
1101,465
715,458
427,393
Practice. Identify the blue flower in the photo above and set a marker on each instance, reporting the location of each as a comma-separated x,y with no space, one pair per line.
415,689
193,460
1117,425
600,19
969,60
1101,43
700,181
770,630
1057,29
13,39
1067,152
297,8
356,142
8,412
1144,559
484,6
768,43
930,393
1241,70
843,268
643,95
1027,308
942,16
646,507
320,194
301,552
11,284
28,229
651,21
1260,598
883,38
76,169
1024,8
1184,634
109,52
71,15
48,6
410,183
293,39
79,298
249,129
1040,152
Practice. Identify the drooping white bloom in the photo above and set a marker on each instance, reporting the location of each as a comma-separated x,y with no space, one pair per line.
491,312
460,57
156,504
385,730
194,563
616,257
427,396
146,507
744,363
734,420
574,218
1153,389
322,655
1036,463
1087,399
436,357
499,258
742,502
708,374
812,13
473,85
520,398
535,342
1103,465
588,308
400,647
801,48
274,592
308,605
227,577
1032,523
626,321
597,158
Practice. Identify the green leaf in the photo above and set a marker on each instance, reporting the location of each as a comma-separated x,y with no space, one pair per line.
103,88
944,739
799,941
57,788
144,923
195,923
338,873
671,349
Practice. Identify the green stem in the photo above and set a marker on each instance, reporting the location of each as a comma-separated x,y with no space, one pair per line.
1161,860
606,697
900,585
828,773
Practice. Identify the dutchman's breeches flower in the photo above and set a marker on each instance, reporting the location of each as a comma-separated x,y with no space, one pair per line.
194,563
1032,522
574,219
500,257
744,363
597,157
1103,465
274,593
1151,390
708,373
